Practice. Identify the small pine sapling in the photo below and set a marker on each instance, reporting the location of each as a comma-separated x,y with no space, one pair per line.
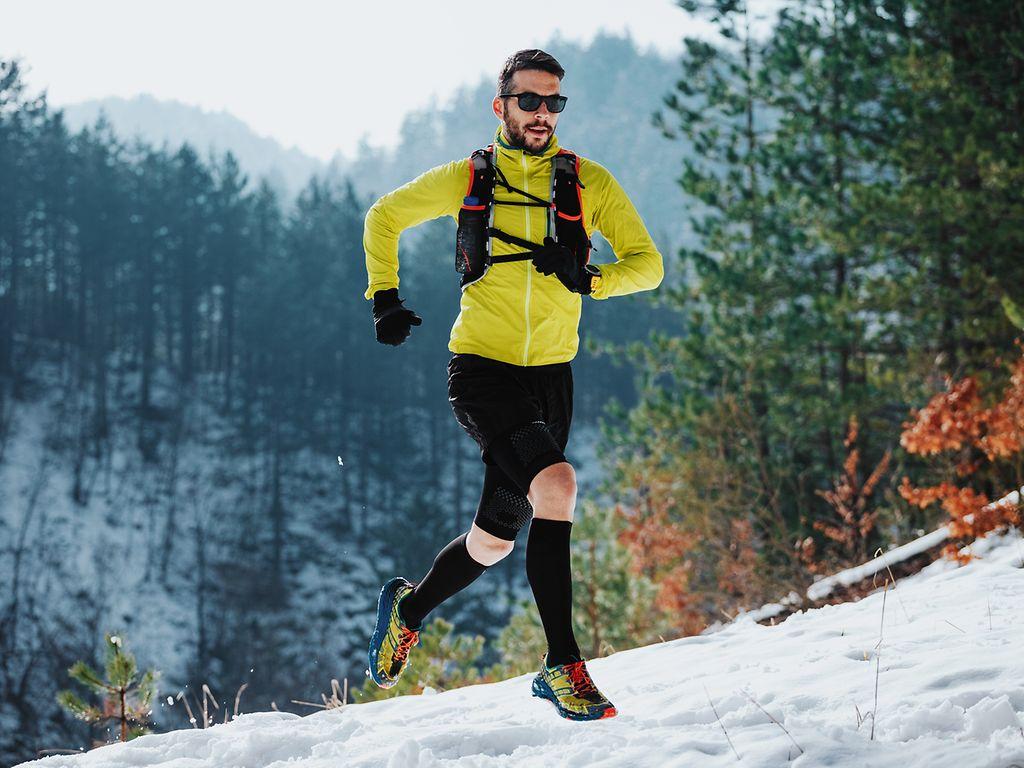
125,698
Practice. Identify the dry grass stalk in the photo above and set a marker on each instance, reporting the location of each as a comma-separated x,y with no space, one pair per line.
207,699
892,580
770,717
719,719
334,702
238,698
878,661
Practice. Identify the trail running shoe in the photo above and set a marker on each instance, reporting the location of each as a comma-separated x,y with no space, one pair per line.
392,639
570,688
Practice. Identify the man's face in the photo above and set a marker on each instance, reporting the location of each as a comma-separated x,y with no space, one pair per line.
528,130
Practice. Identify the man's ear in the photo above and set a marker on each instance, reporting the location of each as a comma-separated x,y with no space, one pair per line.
499,108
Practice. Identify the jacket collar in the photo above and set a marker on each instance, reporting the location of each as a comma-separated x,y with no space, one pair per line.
503,147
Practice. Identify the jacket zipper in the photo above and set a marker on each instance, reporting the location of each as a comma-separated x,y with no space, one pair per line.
528,264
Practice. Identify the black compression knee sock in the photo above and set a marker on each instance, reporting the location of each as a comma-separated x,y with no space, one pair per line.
550,574
453,570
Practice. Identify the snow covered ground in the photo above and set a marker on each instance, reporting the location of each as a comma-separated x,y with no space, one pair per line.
950,692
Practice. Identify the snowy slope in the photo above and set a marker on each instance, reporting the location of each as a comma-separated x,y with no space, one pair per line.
950,693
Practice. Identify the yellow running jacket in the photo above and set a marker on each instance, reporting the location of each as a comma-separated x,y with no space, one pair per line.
514,313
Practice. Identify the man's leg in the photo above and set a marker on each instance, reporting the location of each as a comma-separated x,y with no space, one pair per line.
533,456
480,392
485,396
548,569
402,606
453,570
503,510
563,679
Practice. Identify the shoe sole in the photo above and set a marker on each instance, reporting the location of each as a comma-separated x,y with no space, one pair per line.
543,691
384,601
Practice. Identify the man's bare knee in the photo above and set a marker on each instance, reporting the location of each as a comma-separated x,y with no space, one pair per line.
553,492
486,548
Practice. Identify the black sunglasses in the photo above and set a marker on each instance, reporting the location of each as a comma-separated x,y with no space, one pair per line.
530,102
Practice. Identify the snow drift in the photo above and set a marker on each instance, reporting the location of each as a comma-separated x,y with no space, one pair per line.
947,652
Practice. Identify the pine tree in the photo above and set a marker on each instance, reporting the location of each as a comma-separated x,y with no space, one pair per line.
749,361
949,205
125,698
20,118
230,244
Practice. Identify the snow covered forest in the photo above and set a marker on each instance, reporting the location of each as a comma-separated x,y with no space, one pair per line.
204,451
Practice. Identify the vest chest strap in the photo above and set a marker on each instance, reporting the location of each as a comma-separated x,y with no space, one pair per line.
473,253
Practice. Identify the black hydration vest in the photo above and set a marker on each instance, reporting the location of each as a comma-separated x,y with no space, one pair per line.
476,217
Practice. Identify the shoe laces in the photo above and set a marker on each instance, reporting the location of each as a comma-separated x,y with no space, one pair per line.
406,640
580,678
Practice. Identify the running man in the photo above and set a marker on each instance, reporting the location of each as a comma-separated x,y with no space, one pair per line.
526,209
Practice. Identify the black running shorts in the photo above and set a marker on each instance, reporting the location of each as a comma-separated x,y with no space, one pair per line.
520,417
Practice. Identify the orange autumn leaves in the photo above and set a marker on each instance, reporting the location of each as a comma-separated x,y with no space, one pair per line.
683,532
660,551
685,564
957,422
850,500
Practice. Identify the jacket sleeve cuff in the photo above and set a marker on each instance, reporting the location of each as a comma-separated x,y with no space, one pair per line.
382,285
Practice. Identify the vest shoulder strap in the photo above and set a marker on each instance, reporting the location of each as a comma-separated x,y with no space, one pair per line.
476,229
480,191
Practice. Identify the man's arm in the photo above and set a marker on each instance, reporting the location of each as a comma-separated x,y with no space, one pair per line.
435,193
639,266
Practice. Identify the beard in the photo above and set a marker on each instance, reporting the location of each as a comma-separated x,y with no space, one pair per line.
519,138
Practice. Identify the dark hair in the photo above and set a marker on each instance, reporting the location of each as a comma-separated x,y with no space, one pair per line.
531,58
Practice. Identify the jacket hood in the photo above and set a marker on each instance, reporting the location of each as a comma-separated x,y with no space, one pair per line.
546,154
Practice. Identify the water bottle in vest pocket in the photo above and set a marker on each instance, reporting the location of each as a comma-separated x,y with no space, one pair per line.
471,240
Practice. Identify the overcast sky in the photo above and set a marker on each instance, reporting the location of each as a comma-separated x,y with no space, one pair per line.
315,74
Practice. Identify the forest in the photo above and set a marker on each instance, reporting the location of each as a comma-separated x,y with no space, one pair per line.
203,448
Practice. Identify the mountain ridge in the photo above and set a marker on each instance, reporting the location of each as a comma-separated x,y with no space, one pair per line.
174,122
614,88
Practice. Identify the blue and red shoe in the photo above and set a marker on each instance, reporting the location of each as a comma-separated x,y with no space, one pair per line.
571,689
392,640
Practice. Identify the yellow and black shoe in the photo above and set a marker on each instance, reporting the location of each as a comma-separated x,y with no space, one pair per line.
392,639
570,688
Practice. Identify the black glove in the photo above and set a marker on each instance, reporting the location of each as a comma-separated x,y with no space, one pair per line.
390,319
552,258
